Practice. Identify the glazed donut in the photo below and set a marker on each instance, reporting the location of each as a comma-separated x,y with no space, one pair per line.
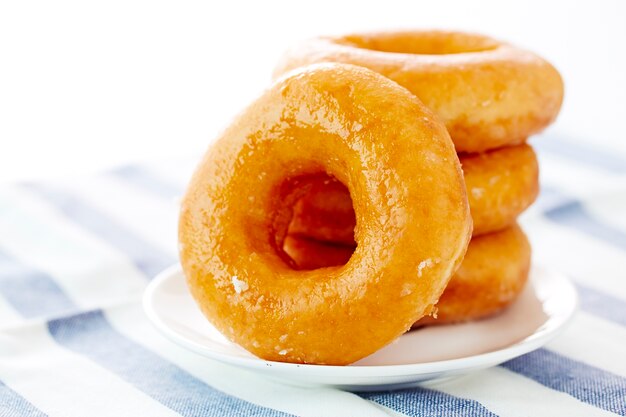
324,213
488,93
500,185
492,275
404,178
310,253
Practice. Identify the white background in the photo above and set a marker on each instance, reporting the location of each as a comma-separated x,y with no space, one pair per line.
90,85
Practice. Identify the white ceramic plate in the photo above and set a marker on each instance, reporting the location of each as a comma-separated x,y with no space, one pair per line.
431,353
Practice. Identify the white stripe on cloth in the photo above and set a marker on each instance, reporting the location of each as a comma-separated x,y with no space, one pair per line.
387,411
609,207
8,315
577,179
594,341
145,179
602,195
583,258
64,384
581,151
178,172
131,322
512,395
90,272
154,219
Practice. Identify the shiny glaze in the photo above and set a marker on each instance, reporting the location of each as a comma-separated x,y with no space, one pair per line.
500,185
488,93
399,164
491,277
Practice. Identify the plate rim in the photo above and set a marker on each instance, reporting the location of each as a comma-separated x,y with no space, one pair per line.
538,338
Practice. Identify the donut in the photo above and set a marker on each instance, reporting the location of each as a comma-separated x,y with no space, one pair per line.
488,93
490,278
324,213
310,253
500,185
328,122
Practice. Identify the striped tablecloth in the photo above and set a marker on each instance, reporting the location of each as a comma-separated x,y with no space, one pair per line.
76,255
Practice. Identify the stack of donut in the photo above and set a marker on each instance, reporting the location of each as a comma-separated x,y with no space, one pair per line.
492,97
336,211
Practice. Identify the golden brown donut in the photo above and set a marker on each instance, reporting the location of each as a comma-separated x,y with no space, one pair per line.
488,93
309,253
324,213
492,275
500,185
333,121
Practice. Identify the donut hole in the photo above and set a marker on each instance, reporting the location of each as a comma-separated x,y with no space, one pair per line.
314,223
430,43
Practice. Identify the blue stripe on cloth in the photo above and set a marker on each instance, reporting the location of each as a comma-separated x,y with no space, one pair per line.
549,198
602,305
91,335
573,214
567,211
13,404
145,256
423,402
148,181
584,154
32,293
589,384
